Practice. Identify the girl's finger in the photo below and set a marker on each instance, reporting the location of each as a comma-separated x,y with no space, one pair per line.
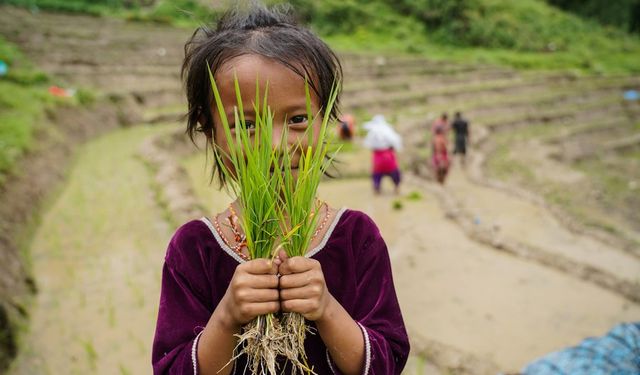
265,281
258,295
295,280
296,265
259,267
250,281
259,308
299,293
282,255
301,306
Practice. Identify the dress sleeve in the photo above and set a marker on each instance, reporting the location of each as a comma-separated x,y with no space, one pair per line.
184,307
377,311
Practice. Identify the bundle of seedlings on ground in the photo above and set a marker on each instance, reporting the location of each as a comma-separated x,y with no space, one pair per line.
301,213
279,211
247,167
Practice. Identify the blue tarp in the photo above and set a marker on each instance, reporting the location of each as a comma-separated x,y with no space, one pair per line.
616,353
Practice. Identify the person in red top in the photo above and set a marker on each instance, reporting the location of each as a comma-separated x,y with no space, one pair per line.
441,123
385,164
384,141
440,155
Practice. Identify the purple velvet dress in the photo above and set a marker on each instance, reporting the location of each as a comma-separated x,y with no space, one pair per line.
198,268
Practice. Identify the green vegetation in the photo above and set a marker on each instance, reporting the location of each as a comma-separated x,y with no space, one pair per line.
176,12
92,356
527,34
624,14
397,204
414,196
75,6
23,99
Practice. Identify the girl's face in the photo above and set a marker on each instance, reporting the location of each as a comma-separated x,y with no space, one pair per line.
285,96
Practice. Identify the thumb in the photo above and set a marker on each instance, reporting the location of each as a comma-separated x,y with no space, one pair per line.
281,257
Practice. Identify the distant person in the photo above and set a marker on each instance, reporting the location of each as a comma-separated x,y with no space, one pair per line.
385,163
346,127
442,123
617,352
462,134
384,142
440,155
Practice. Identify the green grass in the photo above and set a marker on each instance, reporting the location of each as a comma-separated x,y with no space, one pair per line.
96,8
619,57
414,196
525,34
185,13
92,355
23,99
21,111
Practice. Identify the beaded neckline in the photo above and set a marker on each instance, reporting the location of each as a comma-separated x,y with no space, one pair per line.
241,240
309,254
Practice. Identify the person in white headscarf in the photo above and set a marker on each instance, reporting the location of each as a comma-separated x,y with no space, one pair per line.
384,141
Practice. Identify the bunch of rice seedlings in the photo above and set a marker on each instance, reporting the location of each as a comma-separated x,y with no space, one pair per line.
279,210
301,214
257,189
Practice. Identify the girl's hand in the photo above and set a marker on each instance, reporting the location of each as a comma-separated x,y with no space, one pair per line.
253,291
302,287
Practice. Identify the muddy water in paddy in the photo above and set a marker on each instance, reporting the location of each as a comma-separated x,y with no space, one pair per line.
97,258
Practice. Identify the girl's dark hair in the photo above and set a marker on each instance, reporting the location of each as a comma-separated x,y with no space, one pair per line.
257,30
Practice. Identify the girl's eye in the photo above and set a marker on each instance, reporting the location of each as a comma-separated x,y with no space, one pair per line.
299,120
248,124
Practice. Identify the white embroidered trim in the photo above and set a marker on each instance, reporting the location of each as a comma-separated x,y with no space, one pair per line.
224,246
367,353
322,243
367,350
311,253
194,350
329,362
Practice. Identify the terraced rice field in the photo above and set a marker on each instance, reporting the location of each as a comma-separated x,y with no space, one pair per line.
540,229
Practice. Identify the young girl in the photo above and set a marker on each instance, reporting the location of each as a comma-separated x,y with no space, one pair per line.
210,288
